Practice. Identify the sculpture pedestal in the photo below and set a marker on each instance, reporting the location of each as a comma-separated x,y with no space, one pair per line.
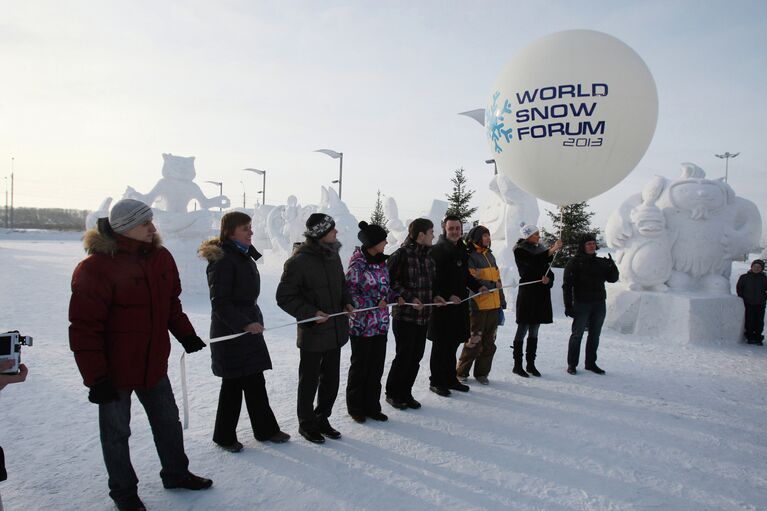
677,318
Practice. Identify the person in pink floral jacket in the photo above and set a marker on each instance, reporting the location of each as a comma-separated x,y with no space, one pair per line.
367,281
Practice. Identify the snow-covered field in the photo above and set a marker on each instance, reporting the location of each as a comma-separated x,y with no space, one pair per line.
670,426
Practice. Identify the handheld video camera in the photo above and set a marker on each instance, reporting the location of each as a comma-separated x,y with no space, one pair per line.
10,349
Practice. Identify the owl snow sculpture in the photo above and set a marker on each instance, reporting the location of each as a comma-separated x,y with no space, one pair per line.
706,225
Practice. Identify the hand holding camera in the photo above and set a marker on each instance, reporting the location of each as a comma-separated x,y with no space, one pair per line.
10,350
7,379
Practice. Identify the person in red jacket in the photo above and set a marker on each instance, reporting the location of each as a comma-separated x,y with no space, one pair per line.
125,298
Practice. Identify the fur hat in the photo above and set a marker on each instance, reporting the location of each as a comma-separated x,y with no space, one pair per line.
370,234
318,225
127,214
527,230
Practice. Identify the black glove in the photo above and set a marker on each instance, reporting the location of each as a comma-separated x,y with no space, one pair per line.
103,392
569,312
192,343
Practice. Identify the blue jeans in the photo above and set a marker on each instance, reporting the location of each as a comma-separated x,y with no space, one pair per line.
591,315
114,424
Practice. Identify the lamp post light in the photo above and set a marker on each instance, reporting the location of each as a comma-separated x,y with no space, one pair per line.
495,166
726,157
263,185
336,155
220,192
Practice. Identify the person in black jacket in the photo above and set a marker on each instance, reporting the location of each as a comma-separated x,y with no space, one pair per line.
235,284
534,296
313,285
583,289
752,288
449,325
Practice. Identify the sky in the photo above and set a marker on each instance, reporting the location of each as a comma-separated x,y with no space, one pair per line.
93,93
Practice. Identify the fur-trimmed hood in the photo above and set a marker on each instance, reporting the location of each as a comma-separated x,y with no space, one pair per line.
96,241
212,250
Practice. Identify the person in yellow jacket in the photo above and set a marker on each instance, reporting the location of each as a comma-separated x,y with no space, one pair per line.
486,310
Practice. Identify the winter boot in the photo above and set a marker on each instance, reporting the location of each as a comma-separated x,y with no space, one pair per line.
532,348
532,369
518,370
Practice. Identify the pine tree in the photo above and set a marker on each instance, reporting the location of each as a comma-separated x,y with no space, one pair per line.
459,200
572,222
378,217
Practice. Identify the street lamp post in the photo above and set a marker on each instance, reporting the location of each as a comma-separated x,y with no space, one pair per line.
6,202
263,185
12,160
495,166
220,192
336,155
726,157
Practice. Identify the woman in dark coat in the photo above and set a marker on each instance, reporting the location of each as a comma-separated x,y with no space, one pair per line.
534,299
235,284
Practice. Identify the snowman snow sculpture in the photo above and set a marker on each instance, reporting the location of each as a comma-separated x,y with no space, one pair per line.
707,225
645,260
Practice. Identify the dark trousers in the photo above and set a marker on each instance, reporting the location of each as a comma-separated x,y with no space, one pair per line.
114,424
754,322
262,418
484,323
410,341
317,376
531,330
443,362
363,388
591,315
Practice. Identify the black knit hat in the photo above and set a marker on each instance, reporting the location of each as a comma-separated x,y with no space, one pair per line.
759,262
476,233
318,225
370,234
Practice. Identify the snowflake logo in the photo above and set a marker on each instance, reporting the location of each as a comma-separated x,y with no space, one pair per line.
495,122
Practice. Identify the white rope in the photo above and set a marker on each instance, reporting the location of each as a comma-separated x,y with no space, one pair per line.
184,394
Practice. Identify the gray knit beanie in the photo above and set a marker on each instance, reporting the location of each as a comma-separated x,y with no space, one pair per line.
127,214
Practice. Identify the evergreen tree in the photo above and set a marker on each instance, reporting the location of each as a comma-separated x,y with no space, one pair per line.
459,200
378,217
572,222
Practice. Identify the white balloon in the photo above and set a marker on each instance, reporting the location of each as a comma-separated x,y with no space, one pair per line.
571,115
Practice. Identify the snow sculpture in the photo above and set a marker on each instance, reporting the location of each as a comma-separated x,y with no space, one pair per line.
645,261
397,229
509,207
259,215
706,227
102,211
170,198
436,213
346,223
285,224
502,215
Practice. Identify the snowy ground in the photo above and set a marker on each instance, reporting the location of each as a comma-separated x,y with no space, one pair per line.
668,427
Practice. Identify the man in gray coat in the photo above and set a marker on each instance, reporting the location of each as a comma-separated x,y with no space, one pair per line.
313,286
